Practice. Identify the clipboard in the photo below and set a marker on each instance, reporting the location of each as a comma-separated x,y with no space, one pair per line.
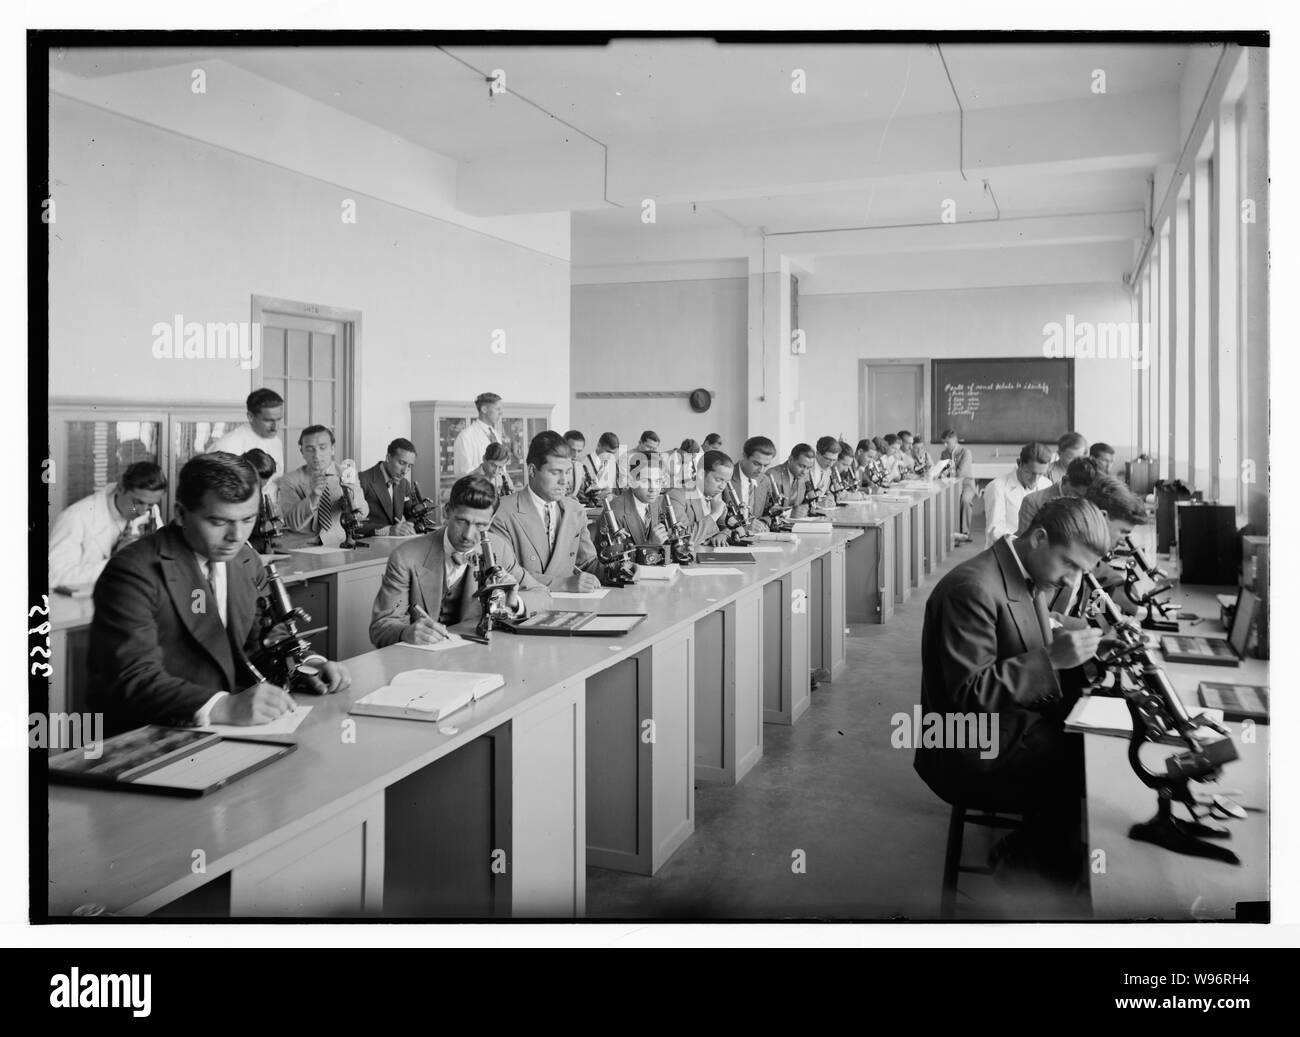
557,622
167,761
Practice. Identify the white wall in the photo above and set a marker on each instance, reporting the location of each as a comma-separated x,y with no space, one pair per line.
151,224
661,335
844,329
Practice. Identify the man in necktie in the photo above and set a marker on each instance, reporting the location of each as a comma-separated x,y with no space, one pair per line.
547,529
178,614
311,497
639,509
474,438
757,455
988,650
387,488
430,584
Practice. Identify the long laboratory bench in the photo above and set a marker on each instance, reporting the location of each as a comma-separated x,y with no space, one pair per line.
589,755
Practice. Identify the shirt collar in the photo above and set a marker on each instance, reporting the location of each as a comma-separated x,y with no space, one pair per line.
448,551
538,503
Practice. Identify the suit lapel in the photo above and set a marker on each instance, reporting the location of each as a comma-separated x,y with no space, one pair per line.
429,579
1019,599
182,576
530,523
241,594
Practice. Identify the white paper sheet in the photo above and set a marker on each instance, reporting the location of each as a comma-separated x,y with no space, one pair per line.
455,641
285,724
595,595
712,570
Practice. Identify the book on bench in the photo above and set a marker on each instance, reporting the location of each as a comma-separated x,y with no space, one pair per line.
427,695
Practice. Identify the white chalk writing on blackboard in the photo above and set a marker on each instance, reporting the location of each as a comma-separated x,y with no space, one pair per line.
964,397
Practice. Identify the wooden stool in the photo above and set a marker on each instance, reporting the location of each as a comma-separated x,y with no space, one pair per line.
962,815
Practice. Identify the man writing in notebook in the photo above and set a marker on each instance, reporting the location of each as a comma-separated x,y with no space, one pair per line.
430,584
387,489
546,529
988,647
178,613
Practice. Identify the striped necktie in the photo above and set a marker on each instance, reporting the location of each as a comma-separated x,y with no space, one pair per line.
324,510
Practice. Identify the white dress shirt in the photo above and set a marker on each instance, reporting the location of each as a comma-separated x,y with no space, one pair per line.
473,440
542,507
243,439
602,469
82,539
1002,499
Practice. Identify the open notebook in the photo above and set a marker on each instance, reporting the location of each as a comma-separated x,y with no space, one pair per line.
427,694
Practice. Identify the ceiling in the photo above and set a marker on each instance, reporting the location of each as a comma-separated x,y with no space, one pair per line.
718,137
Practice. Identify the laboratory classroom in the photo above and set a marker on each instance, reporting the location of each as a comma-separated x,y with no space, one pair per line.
651,477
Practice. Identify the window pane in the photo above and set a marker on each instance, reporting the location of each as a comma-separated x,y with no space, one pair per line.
298,354
322,355
273,352
297,403
99,451
322,403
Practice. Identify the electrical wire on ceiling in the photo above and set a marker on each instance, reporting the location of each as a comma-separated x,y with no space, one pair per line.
528,101
961,115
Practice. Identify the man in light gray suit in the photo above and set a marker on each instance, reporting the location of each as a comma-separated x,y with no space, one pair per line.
701,508
546,529
430,583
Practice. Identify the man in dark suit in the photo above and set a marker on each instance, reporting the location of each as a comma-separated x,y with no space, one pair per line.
430,583
547,529
756,455
639,509
387,489
178,613
987,647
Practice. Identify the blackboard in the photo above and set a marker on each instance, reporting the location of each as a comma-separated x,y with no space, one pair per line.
1012,400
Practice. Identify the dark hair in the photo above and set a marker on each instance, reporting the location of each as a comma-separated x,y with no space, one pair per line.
1071,440
845,450
1073,520
802,450
607,440
472,491
143,475
496,452
400,444
547,444
890,439
484,398
866,444
1035,452
879,444
713,459
1081,471
826,443
949,433
689,446
758,445
712,437
231,478
1116,500
904,434
573,433
1101,448
315,430
648,434
262,462
260,399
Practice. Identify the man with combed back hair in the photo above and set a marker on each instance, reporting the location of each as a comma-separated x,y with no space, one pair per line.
988,647
1004,495
178,613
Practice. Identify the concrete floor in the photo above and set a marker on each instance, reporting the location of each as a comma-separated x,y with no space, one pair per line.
872,835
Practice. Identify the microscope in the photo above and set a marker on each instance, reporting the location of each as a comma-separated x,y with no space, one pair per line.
1158,713
735,519
1145,586
280,657
616,549
421,510
493,591
678,545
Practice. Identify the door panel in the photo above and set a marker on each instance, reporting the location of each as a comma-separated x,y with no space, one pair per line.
894,398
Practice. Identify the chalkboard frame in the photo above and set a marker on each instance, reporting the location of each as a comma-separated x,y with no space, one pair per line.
938,424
